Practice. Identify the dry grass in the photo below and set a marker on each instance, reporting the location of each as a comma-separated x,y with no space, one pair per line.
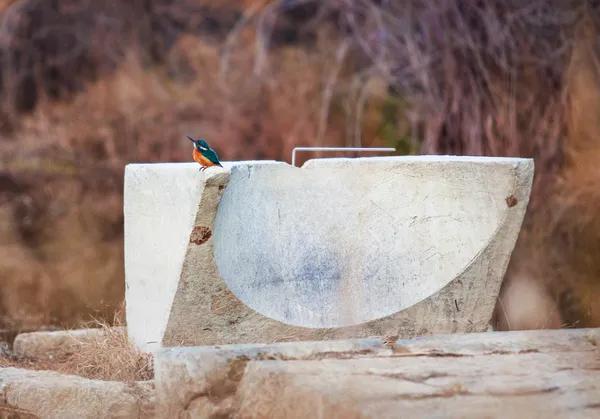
111,357
106,356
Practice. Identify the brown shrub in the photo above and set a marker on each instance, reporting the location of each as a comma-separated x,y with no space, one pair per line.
491,78
61,185
559,245
505,79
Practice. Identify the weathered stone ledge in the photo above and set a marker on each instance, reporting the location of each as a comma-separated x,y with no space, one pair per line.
50,395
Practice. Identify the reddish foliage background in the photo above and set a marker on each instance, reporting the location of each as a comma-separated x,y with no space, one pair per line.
90,86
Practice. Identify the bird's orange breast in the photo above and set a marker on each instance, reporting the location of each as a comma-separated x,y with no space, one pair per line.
200,159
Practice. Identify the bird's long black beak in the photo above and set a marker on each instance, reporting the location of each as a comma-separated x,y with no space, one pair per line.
191,139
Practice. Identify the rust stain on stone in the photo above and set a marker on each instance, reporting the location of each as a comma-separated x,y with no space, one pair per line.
511,201
200,235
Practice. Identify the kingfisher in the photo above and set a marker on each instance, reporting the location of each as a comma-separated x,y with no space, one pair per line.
204,155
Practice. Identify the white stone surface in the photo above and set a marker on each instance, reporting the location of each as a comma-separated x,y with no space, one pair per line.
160,205
502,375
338,248
345,241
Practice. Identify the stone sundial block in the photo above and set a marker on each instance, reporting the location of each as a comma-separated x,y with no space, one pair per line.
261,251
